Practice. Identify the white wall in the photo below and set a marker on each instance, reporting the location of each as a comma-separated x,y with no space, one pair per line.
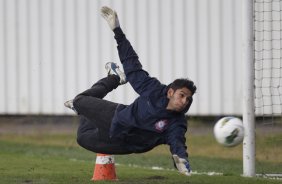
50,50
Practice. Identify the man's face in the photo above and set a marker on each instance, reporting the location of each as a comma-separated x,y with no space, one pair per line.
178,99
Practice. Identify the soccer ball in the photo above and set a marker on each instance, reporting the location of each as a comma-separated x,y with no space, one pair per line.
229,131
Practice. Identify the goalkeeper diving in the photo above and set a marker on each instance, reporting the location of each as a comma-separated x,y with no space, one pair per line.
156,117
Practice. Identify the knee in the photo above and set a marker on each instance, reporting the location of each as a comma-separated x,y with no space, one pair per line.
83,142
79,140
83,136
87,141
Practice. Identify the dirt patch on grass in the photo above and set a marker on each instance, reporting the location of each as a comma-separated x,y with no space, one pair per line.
156,178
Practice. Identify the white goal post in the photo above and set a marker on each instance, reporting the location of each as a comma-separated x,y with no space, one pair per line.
262,72
248,88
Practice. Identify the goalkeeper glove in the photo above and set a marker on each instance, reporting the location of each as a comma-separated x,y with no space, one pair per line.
110,16
182,165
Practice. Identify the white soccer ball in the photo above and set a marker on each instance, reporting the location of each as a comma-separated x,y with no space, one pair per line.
229,131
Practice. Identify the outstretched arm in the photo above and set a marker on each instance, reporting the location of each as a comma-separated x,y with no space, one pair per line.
176,140
139,79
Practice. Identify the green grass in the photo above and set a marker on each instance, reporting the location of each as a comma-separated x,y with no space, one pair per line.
56,158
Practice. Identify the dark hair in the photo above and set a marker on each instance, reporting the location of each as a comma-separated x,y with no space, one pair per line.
181,83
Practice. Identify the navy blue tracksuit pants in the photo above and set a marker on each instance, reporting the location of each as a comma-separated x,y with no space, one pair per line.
96,116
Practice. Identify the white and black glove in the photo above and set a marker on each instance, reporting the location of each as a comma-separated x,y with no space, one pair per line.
182,165
110,16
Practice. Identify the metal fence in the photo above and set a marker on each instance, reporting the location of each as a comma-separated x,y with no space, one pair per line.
50,50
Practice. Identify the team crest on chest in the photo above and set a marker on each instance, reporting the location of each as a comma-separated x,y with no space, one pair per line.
160,125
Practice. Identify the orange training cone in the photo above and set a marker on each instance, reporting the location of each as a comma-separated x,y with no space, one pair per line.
104,168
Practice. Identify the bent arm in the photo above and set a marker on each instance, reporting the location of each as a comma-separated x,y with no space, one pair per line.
139,79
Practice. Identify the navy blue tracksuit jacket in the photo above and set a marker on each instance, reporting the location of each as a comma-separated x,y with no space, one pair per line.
146,122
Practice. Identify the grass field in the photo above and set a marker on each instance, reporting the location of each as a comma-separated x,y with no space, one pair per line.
53,157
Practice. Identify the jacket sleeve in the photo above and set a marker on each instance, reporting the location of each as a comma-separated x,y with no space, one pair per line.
176,140
139,79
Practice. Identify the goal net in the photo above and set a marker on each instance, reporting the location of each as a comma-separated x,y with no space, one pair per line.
268,84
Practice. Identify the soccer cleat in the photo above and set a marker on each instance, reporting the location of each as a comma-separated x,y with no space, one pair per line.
110,16
113,69
69,104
